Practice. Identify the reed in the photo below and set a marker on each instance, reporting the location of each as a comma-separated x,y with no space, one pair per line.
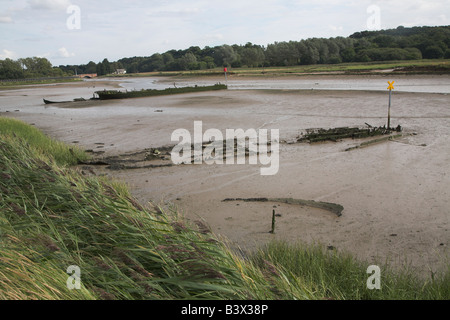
36,139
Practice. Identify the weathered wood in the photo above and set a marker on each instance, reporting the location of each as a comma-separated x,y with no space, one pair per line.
336,134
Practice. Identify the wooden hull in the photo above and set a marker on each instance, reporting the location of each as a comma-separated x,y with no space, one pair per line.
51,102
115,94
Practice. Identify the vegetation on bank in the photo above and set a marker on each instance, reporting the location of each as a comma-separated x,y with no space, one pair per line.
17,83
52,217
402,43
424,66
58,151
26,68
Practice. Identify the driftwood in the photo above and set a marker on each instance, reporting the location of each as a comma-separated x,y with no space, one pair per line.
332,207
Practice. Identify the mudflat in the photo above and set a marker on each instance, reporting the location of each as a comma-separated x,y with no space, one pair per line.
395,193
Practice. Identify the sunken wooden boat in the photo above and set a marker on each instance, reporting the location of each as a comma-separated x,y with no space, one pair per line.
51,102
74,100
336,134
116,94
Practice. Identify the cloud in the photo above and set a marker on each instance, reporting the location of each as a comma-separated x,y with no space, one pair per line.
215,36
49,4
6,19
64,53
117,28
336,28
8,54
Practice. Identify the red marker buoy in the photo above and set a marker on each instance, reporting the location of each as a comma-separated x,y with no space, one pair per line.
226,80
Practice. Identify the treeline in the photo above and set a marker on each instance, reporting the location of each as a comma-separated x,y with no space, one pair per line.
35,67
100,68
392,44
29,68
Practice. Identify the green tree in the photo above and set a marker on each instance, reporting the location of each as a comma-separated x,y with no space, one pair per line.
156,62
310,53
252,56
167,58
133,68
99,69
433,52
412,54
10,69
385,41
91,67
334,59
106,66
209,62
348,54
36,67
224,55
447,54
189,61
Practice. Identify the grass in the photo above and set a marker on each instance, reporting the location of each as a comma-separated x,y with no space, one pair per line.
339,275
62,154
11,84
52,217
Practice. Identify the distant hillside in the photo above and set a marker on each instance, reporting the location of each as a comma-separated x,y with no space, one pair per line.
393,44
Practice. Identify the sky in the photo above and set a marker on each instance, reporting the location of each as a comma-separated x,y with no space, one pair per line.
72,32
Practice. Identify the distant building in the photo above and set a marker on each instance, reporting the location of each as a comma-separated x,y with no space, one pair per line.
120,71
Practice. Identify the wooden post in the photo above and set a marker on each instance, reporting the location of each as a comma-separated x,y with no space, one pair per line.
390,88
226,80
389,112
273,222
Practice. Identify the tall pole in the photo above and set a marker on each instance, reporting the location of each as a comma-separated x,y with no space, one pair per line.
390,88
226,80
389,111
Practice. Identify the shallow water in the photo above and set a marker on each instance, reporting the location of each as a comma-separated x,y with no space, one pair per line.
425,84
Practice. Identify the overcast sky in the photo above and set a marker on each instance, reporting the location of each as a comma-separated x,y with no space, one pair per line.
79,31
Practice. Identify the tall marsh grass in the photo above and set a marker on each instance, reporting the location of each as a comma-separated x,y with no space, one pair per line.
63,154
338,275
53,217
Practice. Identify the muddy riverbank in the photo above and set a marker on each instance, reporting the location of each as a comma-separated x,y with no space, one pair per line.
395,194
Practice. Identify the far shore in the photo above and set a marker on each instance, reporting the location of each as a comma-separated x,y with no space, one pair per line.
391,68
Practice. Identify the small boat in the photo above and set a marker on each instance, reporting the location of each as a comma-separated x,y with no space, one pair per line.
50,102
74,100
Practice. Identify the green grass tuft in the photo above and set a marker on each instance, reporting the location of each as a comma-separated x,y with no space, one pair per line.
338,275
60,152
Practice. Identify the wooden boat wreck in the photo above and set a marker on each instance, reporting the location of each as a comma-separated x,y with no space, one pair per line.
336,134
51,102
116,94
74,100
